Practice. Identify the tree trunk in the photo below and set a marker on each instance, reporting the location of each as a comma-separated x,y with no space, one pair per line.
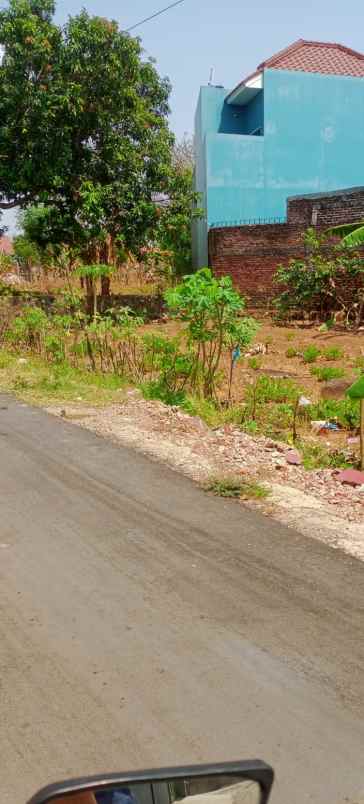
89,296
362,434
105,289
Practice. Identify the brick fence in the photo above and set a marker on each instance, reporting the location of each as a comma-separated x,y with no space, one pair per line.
250,254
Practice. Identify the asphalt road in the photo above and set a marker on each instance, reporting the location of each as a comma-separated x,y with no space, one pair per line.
145,623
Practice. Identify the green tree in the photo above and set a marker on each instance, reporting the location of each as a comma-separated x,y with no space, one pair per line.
177,213
26,252
212,310
83,129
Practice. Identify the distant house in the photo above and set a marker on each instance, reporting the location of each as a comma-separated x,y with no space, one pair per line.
295,126
6,246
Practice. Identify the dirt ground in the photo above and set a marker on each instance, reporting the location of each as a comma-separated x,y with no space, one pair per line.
278,340
314,502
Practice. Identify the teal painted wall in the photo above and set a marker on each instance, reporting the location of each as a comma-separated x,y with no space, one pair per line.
313,142
314,134
235,177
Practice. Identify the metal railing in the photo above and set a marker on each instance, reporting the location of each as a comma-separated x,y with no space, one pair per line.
246,222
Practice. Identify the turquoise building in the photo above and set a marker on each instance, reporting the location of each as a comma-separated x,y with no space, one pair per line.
295,126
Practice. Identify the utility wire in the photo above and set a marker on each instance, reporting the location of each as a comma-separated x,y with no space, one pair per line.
157,14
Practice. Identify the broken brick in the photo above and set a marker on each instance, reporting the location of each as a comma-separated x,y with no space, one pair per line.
352,477
293,457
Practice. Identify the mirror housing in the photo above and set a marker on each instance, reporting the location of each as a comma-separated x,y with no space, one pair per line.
231,775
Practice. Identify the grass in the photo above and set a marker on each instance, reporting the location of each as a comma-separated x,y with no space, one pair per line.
311,353
291,352
326,373
235,487
38,382
333,353
255,363
315,456
344,411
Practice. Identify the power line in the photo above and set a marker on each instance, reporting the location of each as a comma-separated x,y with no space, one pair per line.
157,14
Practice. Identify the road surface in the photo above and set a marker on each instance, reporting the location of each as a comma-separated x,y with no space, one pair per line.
144,623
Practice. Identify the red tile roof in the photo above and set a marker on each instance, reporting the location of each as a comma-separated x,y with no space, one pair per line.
317,57
6,245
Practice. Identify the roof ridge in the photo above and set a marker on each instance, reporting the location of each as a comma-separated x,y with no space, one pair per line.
294,46
299,43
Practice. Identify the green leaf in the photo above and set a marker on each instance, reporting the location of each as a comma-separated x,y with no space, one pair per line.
356,391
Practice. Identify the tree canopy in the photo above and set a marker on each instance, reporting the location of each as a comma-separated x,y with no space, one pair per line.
83,126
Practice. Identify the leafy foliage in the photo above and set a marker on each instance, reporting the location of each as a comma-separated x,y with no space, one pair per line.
352,234
328,280
211,309
333,353
83,127
311,353
326,373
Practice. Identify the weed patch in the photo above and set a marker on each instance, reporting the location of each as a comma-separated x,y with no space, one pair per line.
234,487
326,373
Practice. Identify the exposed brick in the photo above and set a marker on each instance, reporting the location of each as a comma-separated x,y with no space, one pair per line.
250,254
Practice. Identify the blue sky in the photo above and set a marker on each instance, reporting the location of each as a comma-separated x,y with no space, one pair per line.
231,36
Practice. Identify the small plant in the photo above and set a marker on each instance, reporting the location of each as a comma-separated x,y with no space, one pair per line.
359,363
235,487
250,426
212,310
20,383
315,456
291,352
311,353
290,336
156,389
344,411
326,281
333,353
326,373
255,363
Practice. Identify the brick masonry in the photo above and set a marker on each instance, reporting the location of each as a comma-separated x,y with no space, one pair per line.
250,254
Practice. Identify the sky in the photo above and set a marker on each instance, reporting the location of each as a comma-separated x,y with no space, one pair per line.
230,36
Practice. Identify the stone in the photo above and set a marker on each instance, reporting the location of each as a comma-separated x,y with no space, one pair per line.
22,361
293,457
351,477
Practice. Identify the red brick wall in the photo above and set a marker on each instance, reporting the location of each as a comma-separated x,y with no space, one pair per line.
250,254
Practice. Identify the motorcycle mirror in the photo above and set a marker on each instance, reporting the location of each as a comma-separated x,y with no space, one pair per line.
246,782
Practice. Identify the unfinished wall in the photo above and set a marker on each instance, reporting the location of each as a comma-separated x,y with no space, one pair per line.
250,254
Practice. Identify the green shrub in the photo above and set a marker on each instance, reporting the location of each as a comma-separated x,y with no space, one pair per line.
325,280
212,310
345,411
250,426
255,363
269,389
28,330
326,373
156,389
315,456
311,353
291,352
333,353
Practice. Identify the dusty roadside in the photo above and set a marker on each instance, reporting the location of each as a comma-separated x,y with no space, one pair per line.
314,503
